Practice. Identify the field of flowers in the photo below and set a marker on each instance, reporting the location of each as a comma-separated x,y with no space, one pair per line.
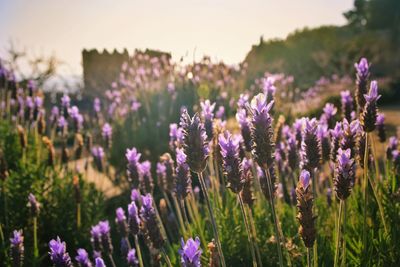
188,165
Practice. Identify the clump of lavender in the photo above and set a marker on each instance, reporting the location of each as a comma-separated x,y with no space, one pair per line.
83,258
347,104
336,136
183,180
65,104
17,248
207,112
131,258
304,206
121,222
195,144
344,174
106,132
146,179
261,131
190,253
244,123
149,222
310,146
58,253
370,111
231,163
362,69
380,125
132,167
329,115
392,146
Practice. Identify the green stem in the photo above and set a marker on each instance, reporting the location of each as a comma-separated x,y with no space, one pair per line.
179,215
246,223
314,185
211,213
78,215
338,234
138,251
274,217
364,237
111,260
35,241
167,260
344,233
5,204
253,229
309,261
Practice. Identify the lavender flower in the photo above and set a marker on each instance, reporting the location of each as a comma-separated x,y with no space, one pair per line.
231,162
136,196
106,243
247,191
347,104
392,146
380,125
243,101
220,112
304,206
183,180
269,88
195,144
133,158
350,131
97,105
207,112
190,253
310,146
362,79
329,114
65,103
98,155
292,153
133,218
106,132
344,174
17,248
100,262
34,205
369,114
150,224
323,136
95,238
58,253
83,258
244,123
121,222
336,135
146,180
131,258
261,131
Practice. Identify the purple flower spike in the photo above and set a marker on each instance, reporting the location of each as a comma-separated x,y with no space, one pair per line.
310,146
369,114
97,105
133,218
65,101
231,162
372,95
33,204
183,182
362,67
362,80
190,253
100,262
17,248
106,131
329,113
83,258
58,253
207,112
243,101
150,223
305,178
131,258
121,221
347,104
244,122
146,179
344,174
133,158
106,243
269,87
392,146
380,125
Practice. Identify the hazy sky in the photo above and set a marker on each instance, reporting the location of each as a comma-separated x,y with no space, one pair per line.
222,29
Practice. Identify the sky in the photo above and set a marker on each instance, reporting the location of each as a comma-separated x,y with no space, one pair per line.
224,30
